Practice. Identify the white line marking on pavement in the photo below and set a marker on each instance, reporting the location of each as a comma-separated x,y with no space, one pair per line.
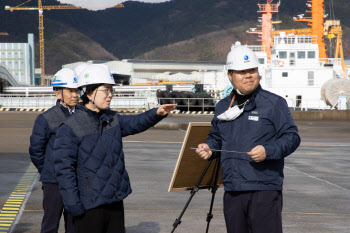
314,177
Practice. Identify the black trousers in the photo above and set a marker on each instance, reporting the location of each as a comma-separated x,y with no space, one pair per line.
53,208
103,219
253,211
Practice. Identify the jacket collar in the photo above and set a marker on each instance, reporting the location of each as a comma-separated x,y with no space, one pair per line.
251,104
102,116
64,109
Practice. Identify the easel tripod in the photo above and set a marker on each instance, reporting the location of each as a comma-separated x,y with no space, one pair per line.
212,186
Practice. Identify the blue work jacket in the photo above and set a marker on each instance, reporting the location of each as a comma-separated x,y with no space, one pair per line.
89,157
43,138
266,121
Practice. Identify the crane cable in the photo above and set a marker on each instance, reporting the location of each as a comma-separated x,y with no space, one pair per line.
23,3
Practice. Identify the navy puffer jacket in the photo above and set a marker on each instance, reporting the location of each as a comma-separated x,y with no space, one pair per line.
43,138
89,157
266,121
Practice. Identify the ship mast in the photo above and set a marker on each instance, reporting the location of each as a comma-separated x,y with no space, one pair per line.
316,21
266,11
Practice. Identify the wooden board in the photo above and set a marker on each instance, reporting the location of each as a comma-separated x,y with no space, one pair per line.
190,166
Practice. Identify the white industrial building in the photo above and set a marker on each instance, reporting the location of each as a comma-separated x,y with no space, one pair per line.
18,60
132,71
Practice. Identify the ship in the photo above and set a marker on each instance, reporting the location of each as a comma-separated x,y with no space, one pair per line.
294,63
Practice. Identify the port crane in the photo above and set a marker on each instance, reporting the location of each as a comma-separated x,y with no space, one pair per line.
40,8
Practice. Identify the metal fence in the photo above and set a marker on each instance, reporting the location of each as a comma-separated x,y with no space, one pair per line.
191,104
128,102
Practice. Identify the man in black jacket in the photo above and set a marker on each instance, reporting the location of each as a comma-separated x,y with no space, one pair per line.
258,130
65,83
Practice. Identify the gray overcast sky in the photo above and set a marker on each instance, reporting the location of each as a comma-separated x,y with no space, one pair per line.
106,3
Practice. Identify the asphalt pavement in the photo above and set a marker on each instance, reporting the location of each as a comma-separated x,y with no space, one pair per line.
316,189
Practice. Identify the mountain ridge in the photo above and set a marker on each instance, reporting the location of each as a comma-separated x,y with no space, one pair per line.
141,28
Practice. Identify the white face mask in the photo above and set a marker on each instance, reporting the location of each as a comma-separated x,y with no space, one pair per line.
240,92
231,114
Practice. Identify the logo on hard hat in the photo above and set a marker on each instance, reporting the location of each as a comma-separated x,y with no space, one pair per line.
246,59
56,79
75,80
86,76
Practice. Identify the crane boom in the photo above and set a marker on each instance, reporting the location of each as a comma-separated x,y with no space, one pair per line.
60,7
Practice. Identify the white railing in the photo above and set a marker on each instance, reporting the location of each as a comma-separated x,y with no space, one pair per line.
278,40
335,62
184,104
27,102
49,101
296,63
332,61
306,104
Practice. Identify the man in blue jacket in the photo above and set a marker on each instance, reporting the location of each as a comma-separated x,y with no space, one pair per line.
65,84
89,157
258,129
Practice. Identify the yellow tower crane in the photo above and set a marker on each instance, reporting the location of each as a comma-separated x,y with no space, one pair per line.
333,30
41,9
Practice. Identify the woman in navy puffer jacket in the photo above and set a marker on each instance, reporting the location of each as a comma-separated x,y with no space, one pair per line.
89,158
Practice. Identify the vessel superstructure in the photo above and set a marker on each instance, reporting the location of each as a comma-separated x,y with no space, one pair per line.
294,63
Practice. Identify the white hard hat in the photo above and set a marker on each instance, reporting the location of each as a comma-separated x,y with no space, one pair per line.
241,58
95,74
80,68
65,78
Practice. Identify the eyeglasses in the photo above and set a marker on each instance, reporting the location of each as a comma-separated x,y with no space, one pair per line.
108,91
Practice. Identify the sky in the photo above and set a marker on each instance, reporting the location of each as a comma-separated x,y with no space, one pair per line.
101,4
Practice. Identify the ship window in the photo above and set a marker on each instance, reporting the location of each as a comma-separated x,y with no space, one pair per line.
282,55
311,54
301,54
310,78
284,74
261,61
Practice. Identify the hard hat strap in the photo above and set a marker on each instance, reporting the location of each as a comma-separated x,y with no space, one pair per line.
64,103
93,101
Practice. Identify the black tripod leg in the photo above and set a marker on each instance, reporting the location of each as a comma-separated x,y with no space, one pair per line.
193,192
213,191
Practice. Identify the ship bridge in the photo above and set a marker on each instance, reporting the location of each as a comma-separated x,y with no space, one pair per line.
293,50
